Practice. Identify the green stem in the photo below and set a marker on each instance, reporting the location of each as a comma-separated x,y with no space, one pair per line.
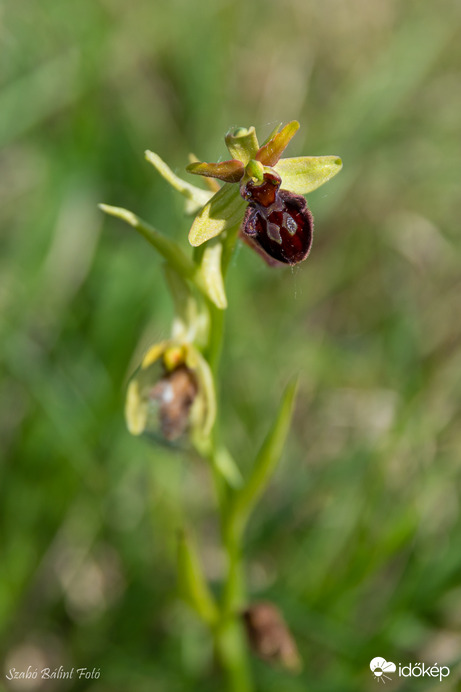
229,637
230,647
216,336
230,643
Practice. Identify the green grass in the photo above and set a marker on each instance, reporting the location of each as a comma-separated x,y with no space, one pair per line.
358,538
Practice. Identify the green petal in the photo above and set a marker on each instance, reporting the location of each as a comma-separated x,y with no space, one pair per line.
242,144
229,171
224,210
255,169
273,133
306,173
196,197
211,274
270,153
196,362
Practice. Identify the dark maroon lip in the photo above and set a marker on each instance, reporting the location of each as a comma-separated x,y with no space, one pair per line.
277,222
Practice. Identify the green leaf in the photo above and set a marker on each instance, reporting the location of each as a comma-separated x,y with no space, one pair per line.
170,250
227,467
306,173
211,274
270,153
266,461
224,210
196,197
193,587
242,144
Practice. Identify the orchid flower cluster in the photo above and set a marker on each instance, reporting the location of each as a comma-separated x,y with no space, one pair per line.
171,398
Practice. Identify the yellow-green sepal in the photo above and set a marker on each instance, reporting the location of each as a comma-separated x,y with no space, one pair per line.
210,272
224,210
195,196
167,248
242,144
304,174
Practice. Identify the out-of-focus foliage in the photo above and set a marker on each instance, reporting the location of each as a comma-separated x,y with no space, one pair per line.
358,540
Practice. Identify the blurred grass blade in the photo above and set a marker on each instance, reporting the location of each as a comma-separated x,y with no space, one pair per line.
27,101
164,246
196,197
266,461
306,173
193,588
224,210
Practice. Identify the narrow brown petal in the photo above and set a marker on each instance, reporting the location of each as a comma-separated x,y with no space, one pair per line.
229,171
270,153
212,184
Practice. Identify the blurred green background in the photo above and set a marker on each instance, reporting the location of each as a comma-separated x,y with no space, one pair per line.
359,539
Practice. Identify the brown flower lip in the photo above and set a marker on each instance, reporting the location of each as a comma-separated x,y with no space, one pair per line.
170,397
277,224
291,224
174,395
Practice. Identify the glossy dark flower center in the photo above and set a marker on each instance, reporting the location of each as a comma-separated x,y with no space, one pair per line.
277,221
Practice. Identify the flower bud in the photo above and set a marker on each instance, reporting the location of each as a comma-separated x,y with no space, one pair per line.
171,395
270,637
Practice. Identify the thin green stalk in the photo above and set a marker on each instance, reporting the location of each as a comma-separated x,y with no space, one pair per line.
216,336
229,637
230,647
234,590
